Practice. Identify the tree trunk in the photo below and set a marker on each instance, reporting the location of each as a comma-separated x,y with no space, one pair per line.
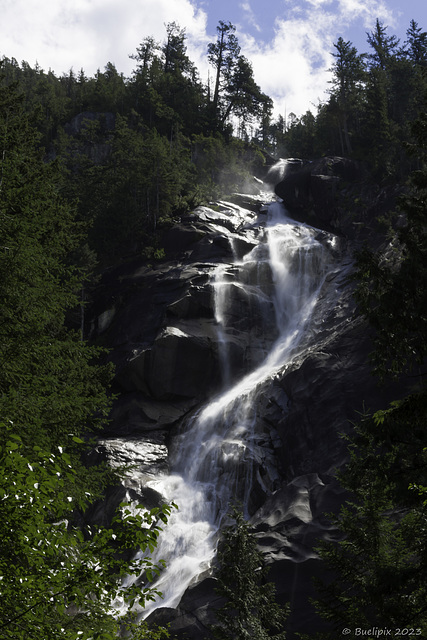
218,73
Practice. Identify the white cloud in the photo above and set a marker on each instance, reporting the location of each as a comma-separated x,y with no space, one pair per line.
90,33
294,67
367,11
249,15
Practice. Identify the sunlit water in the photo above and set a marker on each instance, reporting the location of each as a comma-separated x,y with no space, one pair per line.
213,457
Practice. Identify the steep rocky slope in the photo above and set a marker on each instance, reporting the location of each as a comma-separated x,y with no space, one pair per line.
161,325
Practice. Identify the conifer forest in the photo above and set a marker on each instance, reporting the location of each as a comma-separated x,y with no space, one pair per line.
95,174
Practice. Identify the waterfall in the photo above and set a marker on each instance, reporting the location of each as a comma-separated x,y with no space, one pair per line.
214,457
220,286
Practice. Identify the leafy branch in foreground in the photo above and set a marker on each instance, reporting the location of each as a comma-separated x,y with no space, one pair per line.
58,581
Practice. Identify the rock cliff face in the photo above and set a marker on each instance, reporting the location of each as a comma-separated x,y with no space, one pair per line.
162,325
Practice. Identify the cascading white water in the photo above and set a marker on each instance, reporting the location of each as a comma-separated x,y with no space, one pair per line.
213,458
220,299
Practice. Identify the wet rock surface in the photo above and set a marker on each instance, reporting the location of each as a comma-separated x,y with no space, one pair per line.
161,326
159,322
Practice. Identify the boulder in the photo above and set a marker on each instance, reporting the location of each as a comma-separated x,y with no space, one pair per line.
134,413
294,188
194,616
179,239
310,189
281,168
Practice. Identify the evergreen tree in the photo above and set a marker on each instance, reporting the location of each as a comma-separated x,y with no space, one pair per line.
57,581
300,137
415,52
250,610
48,375
379,566
109,90
349,72
180,86
143,178
378,569
222,55
389,105
175,50
145,55
377,126
242,96
384,46
391,289
416,44
236,91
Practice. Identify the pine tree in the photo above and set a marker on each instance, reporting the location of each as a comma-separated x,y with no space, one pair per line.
58,581
349,71
416,44
48,376
250,610
379,565
222,55
392,289
378,568
384,46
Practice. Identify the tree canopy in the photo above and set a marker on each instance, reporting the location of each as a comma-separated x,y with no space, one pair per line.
92,171
378,567
58,580
374,96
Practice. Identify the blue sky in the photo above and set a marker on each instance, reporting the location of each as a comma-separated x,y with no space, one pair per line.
289,42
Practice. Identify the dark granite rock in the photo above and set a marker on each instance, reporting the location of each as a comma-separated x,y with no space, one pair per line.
310,189
160,324
194,616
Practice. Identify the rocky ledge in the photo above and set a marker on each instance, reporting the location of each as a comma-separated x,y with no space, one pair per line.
159,322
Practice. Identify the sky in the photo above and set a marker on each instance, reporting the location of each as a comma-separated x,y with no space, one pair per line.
288,42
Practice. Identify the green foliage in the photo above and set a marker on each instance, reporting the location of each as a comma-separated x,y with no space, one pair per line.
165,89
250,610
384,46
378,568
235,90
416,44
300,139
143,631
377,124
391,288
348,74
222,55
50,383
125,145
58,581
374,97
138,186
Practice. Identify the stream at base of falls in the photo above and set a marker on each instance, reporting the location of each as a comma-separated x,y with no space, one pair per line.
216,454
